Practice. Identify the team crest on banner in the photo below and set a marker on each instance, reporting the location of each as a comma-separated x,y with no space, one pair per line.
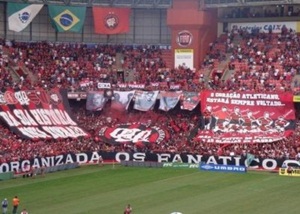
145,100
121,100
111,21
95,100
169,100
190,100
246,117
132,133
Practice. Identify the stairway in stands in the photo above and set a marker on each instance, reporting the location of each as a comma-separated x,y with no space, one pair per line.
119,58
18,69
168,57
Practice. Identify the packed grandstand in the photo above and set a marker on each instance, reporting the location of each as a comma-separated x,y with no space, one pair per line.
102,92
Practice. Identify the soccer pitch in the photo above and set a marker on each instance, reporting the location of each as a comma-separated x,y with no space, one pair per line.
108,189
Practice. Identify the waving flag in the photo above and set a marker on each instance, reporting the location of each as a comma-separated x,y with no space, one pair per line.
145,100
20,15
168,100
111,20
67,18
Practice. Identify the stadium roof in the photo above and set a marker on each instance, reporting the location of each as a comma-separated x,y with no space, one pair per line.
161,3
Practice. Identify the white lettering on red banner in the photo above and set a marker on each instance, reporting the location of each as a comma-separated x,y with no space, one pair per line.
39,114
246,117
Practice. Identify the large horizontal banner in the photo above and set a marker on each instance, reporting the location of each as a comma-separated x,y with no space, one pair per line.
246,117
167,158
34,114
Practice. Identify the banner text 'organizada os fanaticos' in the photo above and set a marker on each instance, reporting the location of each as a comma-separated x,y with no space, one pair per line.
34,114
246,117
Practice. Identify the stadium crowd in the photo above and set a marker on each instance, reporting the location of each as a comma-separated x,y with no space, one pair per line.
258,62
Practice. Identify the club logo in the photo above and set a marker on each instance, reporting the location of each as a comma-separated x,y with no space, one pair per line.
184,38
10,98
132,133
33,97
111,21
55,98
24,17
206,166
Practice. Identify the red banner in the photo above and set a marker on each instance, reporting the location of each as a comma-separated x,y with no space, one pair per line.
33,114
245,117
111,20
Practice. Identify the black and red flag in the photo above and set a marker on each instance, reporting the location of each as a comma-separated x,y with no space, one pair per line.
35,114
111,20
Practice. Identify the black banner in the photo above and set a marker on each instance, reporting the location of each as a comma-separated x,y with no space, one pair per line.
93,157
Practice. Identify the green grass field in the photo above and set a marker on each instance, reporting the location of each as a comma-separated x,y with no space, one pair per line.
107,190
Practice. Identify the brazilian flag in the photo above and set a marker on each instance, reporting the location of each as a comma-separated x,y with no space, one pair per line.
67,18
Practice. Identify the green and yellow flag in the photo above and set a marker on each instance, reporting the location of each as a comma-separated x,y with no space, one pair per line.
67,18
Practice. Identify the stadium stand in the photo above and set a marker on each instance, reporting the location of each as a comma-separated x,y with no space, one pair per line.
238,60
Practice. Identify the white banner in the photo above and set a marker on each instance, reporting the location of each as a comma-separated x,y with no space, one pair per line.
103,85
184,57
145,100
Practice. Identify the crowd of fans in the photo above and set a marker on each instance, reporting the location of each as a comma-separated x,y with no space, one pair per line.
258,62
256,12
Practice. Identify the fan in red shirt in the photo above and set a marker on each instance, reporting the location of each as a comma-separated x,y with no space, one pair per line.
128,209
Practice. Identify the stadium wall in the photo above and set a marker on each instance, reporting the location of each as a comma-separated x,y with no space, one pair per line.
147,26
